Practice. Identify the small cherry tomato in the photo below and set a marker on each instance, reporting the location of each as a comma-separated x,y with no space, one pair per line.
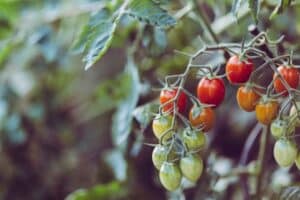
285,152
297,161
200,116
194,140
159,155
293,112
211,91
247,98
290,75
238,71
170,176
191,167
266,111
280,128
161,124
166,97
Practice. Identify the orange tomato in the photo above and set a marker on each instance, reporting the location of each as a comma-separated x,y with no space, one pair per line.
247,98
202,116
266,111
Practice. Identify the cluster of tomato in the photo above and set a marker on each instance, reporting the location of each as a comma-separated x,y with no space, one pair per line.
172,165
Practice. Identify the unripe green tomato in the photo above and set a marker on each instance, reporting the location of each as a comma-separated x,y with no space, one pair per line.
194,140
159,155
293,112
297,161
170,176
160,125
280,128
285,152
191,167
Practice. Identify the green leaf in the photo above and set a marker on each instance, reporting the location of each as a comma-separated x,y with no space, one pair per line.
123,117
144,114
96,37
290,193
236,7
111,190
283,4
254,7
150,12
115,159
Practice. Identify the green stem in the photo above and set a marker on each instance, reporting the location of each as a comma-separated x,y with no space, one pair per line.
264,140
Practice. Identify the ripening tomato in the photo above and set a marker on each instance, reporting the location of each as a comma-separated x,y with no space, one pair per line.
194,140
266,111
200,116
285,152
159,155
161,124
238,71
211,91
191,167
290,75
170,176
247,98
167,95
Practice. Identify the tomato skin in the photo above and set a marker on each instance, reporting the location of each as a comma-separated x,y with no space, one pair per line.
191,167
290,75
194,140
159,155
266,112
161,124
170,176
211,91
238,71
168,94
280,128
285,152
247,98
206,117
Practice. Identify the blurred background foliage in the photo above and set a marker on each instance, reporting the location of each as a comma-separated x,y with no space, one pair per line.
64,129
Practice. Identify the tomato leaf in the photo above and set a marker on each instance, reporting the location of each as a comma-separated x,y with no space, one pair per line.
150,12
254,7
112,190
143,114
196,111
236,7
283,4
116,160
123,117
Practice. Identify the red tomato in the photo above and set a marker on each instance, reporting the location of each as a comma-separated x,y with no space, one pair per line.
202,116
211,91
167,94
247,98
291,76
238,71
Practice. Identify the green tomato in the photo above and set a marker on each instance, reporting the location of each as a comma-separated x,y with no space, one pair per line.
159,155
194,140
285,152
191,167
170,176
160,125
279,128
297,161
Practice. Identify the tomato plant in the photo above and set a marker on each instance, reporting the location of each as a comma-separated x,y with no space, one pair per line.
238,71
167,96
290,75
161,125
247,98
211,91
203,117
194,140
